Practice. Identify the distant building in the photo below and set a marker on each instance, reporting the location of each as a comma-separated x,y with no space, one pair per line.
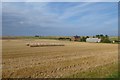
75,38
93,40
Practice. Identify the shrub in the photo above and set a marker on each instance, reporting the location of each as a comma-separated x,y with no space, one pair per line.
106,40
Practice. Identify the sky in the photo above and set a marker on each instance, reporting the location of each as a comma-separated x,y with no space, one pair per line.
59,18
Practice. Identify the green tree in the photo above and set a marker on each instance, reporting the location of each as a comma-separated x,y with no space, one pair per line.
83,39
101,35
106,36
98,36
87,36
36,35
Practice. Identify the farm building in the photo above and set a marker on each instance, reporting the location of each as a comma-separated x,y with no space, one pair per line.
75,38
93,40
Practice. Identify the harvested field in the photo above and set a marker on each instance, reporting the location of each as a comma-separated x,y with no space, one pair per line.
75,59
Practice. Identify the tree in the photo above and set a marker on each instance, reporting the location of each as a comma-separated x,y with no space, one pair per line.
98,36
106,36
36,36
101,35
87,36
83,39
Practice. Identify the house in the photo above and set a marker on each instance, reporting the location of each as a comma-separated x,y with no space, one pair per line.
93,40
75,38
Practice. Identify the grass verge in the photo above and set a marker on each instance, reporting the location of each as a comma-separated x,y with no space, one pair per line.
106,71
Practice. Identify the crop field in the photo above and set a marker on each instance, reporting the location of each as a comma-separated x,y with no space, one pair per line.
74,60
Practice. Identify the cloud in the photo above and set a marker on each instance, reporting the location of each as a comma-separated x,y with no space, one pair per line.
75,10
60,16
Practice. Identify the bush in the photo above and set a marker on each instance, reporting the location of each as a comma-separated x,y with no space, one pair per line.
36,36
106,40
83,39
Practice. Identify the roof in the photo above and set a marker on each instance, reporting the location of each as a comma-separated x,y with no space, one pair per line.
76,36
93,40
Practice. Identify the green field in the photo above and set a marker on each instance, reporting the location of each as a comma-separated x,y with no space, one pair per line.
112,38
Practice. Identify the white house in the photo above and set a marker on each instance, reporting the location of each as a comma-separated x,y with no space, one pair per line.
93,40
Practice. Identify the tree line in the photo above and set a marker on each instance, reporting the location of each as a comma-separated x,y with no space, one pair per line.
104,38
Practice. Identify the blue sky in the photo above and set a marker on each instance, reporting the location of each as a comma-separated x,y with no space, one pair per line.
59,18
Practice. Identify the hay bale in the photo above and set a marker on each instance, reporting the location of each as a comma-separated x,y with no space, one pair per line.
34,45
27,44
45,44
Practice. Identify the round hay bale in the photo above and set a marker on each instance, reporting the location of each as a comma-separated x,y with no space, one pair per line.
27,44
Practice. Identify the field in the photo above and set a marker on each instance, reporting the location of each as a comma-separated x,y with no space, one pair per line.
74,60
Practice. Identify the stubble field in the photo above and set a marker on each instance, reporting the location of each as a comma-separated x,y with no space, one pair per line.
74,60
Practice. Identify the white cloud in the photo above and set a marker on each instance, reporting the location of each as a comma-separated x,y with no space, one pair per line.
39,15
78,9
